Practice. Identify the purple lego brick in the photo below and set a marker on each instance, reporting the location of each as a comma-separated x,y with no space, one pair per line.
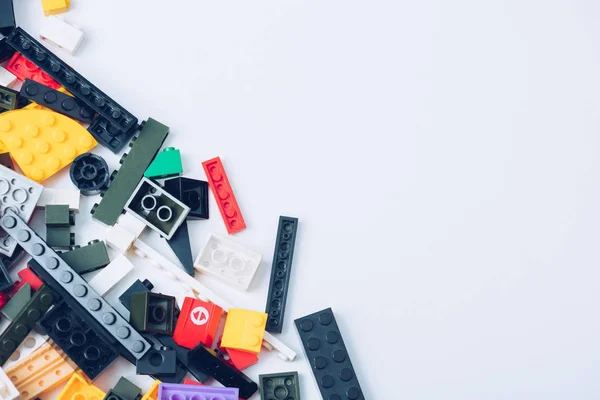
173,391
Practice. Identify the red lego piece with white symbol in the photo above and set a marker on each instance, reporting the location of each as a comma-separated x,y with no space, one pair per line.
23,69
27,276
198,323
241,359
219,185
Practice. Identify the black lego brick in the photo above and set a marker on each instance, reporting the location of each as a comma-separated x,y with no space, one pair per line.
183,357
126,389
137,286
280,273
9,99
56,101
71,80
89,173
180,244
109,135
162,361
5,279
281,385
70,330
192,192
10,262
152,312
6,52
88,258
7,17
328,357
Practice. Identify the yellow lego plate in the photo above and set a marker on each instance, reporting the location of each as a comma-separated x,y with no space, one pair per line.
77,388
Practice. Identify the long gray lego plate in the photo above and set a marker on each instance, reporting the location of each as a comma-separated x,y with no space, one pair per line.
75,285
19,194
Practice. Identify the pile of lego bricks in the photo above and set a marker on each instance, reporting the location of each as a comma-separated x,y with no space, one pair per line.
62,331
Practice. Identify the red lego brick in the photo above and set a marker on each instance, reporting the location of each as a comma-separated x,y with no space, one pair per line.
187,381
219,184
22,68
198,323
27,276
241,359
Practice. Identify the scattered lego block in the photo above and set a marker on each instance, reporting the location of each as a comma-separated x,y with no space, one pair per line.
244,330
51,196
133,166
5,279
152,312
228,206
61,34
198,323
228,261
126,390
152,393
8,391
59,236
169,391
77,388
58,141
109,135
167,163
158,209
23,69
59,215
11,261
157,361
180,244
7,17
28,276
137,286
192,192
53,7
90,174
17,302
56,101
114,272
6,52
327,355
86,259
241,359
282,385
8,98
131,224
119,239
32,342
7,79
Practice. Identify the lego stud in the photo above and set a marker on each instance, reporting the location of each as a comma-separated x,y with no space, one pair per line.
137,346
156,359
4,186
158,314
9,222
92,353
236,264
164,213
63,325
77,339
148,203
219,256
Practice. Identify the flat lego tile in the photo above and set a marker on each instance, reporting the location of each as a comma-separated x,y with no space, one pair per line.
244,330
197,323
56,101
7,17
192,192
88,258
167,163
51,196
328,357
112,274
90,174
78,388
53,7
23,69
61,34
281,385
180,244
169,391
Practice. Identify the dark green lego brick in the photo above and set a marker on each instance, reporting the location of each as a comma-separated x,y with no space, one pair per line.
88,258
25,321
167,163
59,236
59,215
8,98
17,302
126,390
143,150
281,385
152,312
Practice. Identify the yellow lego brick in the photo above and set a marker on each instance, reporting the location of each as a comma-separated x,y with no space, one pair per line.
42,370
43,142
152,393
53,7
77,388
244,330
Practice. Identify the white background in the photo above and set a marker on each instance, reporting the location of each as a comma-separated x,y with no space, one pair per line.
442,157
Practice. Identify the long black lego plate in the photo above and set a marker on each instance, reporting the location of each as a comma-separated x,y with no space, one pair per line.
76,84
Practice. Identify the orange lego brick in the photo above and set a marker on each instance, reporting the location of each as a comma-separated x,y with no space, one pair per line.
244,330
152,393
77,388
53,7
43,142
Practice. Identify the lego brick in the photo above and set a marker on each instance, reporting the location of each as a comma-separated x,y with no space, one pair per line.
56,101
5,279
280,272
23,69
59,215
327,355
25,321
133,166
8,98
17,302
77,287
241,359
86,259
69,330
157,361
109,135
114,272
221,188
28,276
152,393
216,367
59,236
43,370
152,312
177,377
119,239
244,330
52,196
282,385
169,391
58,141
53,7
7,17
191,285
197,323
137,286
61,34
77,388
228,261
6,52
182,357
158,209
8,391
90,174
167,163
71,80
7,79
192,192
6,160
180,244
126,389
32,342
131,224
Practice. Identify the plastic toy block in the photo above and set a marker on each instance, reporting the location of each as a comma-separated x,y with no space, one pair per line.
61,34
43,370
7,79
59,215
56,101
166,163
28,276
5,279
137,286
157,361
23,69
7,17
244,330
86,259
53,7
71,80
77,388
152,393
327,355
11,261
6,52
193,286
77,289
180,244
59,236
282,385
90,174
51,196
131,224
169,391
228,261
119,239
127,390
192,192
143,149
280,272
57,141
8,98
17,302
241,359
198,323
158,209
191,382
109,135
8,391
114,272
182,358
152,312
32,342
6,161
25,321
228,206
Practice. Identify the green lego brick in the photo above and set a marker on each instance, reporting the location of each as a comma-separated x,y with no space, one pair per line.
88,258
17,302
166,163
126,390
59,236
143,150
25,321
59,215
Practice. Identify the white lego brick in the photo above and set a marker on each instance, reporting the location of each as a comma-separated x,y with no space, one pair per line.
62,35
119,239
8,391
30,344
7,79
111,275
52,196
131,223
228,261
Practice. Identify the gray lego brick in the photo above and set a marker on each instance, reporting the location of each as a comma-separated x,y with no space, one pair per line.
75,285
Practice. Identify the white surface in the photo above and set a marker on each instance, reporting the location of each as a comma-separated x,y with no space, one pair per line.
60,34
442,157
70,196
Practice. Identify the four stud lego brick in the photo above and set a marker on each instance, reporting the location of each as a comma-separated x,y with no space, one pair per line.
53,7
77,388
281,385
244,330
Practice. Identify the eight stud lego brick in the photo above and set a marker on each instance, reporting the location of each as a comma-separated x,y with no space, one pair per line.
56,101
